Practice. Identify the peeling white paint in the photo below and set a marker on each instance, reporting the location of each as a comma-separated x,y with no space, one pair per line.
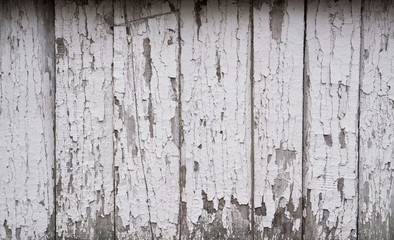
26,120
332,85
216,118
146,126
278,113
145,119
377,122
84,112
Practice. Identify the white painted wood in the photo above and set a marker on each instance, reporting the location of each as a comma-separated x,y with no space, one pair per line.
377,122
153,136
84,146
278,101
146,125
331,118
26,120
216,96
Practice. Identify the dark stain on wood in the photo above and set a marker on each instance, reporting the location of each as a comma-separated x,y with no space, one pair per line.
328,139
8,231
196,166
61,47
218,71
276,18
284,157
104,228
309,226
261,211
197,14
340,186
207,205
342,138
148,79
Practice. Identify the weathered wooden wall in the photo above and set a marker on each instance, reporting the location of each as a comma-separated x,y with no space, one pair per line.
27,89
197,119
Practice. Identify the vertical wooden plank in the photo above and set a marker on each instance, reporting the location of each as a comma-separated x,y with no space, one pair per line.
26,120
376,220
84,147
146,125
278,111
331,117
216,119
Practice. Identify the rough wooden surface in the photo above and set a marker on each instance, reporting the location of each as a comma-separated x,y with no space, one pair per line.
376,220
146,125
278,80
331,118
84,146
196,119
216,119
26,120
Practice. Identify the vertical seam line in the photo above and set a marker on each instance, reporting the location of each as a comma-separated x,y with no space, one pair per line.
54,120
304,105
251,30
358,116
180,128
113,127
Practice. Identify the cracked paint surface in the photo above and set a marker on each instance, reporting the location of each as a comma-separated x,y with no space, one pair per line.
84,148
216,119
146,125
376,211
26,120
331,118
278,113
152,123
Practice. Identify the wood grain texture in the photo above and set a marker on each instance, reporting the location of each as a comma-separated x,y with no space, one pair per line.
216,120
84,146
278,101
331,118
26,120
376,220
146,125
